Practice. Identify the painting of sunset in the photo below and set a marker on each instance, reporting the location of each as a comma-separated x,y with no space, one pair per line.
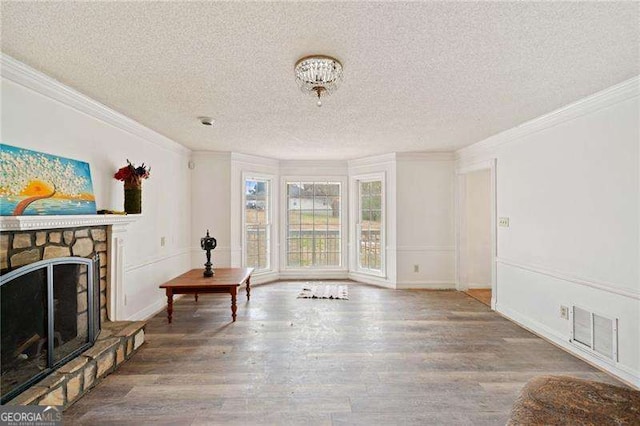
35,183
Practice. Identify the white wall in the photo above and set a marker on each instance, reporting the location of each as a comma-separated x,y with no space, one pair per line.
419,219
211,206
41,114
384,165
569,183
478,229
217,204
426,221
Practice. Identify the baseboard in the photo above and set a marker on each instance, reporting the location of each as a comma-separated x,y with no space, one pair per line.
267,277
621,372
425,285
479,286
152,310
313,275
369,279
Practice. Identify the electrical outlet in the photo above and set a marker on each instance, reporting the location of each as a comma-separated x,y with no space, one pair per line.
564,312
163,240
503,222
416,268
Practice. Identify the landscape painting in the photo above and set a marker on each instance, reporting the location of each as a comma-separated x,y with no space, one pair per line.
35,183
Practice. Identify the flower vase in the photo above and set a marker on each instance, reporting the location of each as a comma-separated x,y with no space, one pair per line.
133,197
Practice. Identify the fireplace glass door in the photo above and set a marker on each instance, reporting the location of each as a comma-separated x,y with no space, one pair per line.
47,318
24,328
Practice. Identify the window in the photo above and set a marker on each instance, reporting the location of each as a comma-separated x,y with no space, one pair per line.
313,228
370,225
257,223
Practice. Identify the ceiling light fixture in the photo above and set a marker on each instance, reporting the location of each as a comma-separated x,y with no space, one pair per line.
318,75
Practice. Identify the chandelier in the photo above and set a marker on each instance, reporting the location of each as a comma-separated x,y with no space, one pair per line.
318,75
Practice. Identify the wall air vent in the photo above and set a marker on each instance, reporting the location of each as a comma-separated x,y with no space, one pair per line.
595,333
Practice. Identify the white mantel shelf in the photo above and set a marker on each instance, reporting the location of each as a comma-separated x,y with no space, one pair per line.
26,223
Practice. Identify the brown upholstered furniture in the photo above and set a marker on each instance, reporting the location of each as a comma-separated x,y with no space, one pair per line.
556,400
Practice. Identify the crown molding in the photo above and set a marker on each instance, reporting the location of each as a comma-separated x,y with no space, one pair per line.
615,94
24,75
319,164
373,160
218,155
254,159
425,156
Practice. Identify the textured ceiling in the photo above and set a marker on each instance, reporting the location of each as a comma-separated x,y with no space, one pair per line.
418,76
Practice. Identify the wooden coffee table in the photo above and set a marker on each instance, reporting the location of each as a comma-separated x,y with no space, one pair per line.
224,280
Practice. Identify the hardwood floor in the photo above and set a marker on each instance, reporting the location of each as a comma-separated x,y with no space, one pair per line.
482,295
383,357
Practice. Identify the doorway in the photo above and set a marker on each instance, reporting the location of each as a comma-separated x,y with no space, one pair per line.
476,233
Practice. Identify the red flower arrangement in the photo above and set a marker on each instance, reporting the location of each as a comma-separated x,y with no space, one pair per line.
132,176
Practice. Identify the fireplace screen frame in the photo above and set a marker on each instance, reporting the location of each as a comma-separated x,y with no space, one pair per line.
93,312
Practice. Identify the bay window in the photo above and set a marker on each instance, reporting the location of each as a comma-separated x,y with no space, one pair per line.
313,228
370,225
257,223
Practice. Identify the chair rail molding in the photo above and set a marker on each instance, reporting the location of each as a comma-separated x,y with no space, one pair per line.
604,286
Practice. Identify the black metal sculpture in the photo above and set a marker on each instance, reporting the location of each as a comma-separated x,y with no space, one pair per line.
208,243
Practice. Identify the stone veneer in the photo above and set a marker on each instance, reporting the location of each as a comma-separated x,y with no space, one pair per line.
20,248
117,342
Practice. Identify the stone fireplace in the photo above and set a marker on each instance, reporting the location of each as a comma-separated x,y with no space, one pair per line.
50,313
61,279
21,248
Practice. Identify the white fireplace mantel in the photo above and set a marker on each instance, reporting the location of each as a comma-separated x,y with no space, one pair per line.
116,232
28,223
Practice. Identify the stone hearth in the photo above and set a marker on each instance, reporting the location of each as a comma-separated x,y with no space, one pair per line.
118,341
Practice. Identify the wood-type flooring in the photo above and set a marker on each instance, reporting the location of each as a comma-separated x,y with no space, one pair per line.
482,295
383,357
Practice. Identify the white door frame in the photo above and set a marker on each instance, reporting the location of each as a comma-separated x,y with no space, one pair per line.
461,203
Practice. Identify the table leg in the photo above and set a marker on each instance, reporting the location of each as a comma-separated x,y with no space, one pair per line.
196,296
234,308
169,304
248,288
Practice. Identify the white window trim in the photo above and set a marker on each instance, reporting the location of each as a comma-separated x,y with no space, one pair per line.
344,235
270,214
355,224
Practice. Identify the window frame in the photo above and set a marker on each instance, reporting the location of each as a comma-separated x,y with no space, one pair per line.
284,222
269,226
357,223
